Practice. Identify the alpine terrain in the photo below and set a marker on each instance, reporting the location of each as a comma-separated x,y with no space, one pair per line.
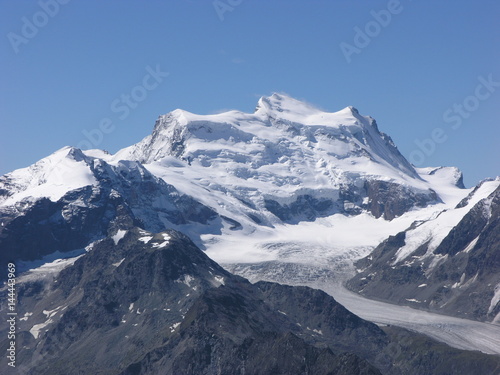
224,244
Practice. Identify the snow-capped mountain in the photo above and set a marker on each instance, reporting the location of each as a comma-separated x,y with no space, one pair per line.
286,162
68,200
288,193
449,263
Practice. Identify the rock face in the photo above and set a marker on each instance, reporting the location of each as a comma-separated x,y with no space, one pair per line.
34,227
450,264
389,200
285,163
144,303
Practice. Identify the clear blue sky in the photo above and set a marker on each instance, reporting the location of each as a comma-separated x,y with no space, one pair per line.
85,55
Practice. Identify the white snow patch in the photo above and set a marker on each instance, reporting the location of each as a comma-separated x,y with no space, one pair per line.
51,313
220,280
131,307
471,245
26,316
117,264
118,236
174,326
186,279
495,299
36,329
159,245
47,266
146,239
412,300
422,285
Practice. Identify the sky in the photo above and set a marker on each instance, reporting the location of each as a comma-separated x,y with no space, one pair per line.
97,74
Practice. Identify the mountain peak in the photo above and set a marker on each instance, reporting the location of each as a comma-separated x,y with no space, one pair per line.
284,104
284,107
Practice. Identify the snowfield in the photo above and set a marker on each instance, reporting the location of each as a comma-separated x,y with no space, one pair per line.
240,165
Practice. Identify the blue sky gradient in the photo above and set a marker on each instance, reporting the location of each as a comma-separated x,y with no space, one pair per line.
427,71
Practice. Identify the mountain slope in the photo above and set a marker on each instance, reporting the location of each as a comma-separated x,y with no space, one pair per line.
144,303
449,264
69,199
213,177
287,162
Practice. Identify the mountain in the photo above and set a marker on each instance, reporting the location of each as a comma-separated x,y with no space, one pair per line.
449,264
213,175
289,194
69,199
286,162
144,303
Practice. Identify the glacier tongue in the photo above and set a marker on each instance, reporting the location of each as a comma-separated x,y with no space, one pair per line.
289,193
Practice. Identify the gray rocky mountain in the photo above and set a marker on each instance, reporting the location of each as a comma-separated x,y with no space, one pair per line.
144,303
459,274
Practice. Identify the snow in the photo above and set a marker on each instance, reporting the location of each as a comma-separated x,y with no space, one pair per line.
118,236
49,265
220,280
159,245
145,239
443,181
174,326
495,299
284,149
51,177
117,264
37,328
436,229
232,161
471,245
332,239
186,279
26,316
51,313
